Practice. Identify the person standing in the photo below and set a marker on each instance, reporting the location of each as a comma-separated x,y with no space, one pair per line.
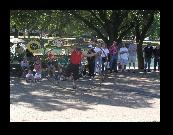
132,49
156,55
98,59
75,59
113,51
147,53
123,57
91,61
104,56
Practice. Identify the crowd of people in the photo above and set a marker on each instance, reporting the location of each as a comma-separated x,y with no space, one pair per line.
118,59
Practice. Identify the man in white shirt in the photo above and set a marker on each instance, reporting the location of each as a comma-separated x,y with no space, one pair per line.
123,57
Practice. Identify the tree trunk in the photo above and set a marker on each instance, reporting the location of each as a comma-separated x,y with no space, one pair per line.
140,56
15,32
139,48
28,34
24,34
140,38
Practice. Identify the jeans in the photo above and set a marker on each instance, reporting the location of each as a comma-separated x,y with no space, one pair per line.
156,60
103,63
98,63
147,63
112,58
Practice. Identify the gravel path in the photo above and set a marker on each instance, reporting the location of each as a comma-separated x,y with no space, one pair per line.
121,98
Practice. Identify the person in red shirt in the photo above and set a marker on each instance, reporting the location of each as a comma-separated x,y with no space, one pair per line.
75,59
113,51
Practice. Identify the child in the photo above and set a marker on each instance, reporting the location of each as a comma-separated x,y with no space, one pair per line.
29,76
37,64
60,73
24,66
37,76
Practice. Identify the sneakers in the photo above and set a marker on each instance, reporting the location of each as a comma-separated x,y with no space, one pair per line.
74,86
48,75
91,77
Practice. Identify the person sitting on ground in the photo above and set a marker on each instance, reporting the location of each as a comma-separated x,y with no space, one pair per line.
104,56
51,66
98,60
37,76
29,76
24,64
75,59
61,74
37,64
62,63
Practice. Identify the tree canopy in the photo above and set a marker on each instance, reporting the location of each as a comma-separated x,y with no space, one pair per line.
109,25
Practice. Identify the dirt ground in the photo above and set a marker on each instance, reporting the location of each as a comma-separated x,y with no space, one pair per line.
122,97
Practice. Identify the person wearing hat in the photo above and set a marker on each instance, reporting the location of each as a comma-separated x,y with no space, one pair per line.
75,59
62,63
147,54
91,61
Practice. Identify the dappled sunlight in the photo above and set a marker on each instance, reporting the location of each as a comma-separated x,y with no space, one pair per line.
121,90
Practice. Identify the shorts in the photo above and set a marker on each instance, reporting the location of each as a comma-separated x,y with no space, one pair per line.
132,59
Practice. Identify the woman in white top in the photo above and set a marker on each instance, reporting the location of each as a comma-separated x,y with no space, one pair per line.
123,57
104,56
98,59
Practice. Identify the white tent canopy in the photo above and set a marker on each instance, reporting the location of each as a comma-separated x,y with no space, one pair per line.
16,40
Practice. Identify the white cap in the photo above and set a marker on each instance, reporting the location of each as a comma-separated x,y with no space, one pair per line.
90,46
